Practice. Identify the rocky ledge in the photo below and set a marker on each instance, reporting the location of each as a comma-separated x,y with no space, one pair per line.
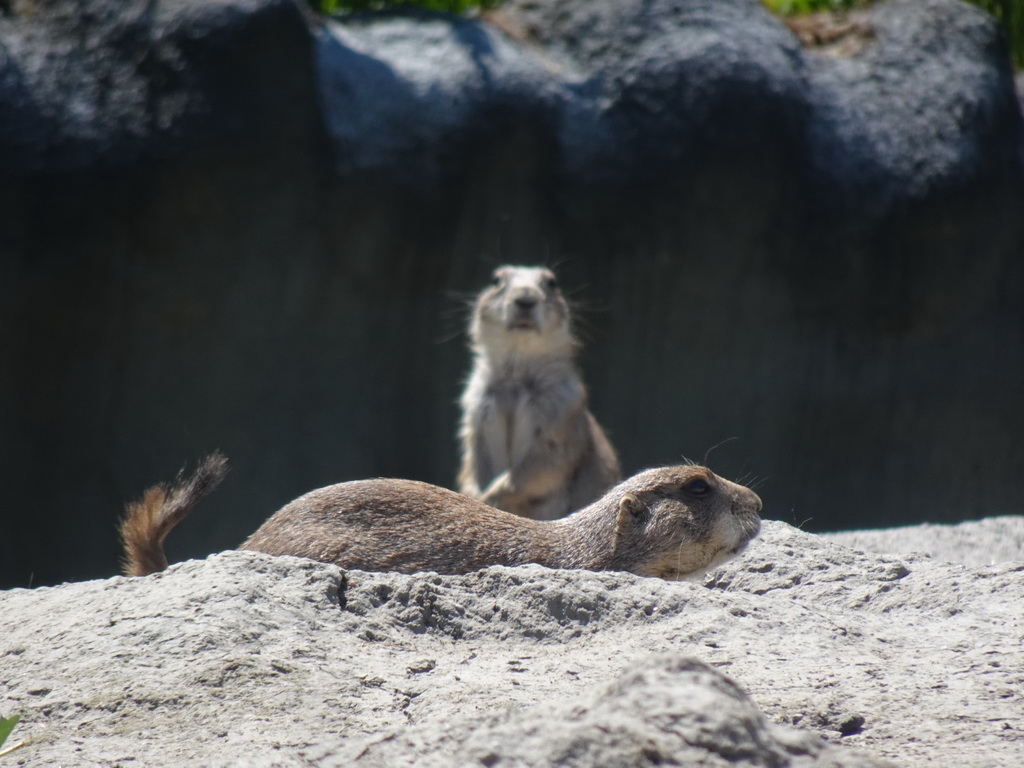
801,652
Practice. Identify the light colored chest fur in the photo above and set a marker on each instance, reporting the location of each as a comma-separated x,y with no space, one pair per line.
513,405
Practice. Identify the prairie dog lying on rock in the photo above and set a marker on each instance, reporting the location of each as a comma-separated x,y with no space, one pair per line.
529,443
664,522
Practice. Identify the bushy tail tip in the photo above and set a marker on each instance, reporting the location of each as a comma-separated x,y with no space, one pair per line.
148,521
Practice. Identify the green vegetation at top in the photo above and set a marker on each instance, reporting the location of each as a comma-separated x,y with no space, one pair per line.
451,6
801,7
1010,14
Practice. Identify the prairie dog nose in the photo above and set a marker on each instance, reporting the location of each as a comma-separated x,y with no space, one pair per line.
526,301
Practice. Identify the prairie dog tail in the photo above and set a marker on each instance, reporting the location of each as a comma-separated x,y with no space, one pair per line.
148,521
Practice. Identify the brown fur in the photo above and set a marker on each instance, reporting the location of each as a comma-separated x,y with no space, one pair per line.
529,443
663,522
148,521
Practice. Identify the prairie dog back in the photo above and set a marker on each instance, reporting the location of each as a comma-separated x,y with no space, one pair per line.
529,442
400,525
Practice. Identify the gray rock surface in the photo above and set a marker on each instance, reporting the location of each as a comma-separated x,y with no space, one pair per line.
665,710
801,652
876,135
975,542
99,86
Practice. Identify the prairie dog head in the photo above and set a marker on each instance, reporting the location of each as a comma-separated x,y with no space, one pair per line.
674,521
522,312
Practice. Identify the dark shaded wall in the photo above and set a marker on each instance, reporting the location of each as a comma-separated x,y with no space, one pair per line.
251,232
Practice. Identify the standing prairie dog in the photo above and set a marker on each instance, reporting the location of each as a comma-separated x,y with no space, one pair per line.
667,522
529,444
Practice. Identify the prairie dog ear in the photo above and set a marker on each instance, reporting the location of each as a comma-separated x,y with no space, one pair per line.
631,510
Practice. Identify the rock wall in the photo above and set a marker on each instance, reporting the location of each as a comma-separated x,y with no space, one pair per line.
799,653
233,225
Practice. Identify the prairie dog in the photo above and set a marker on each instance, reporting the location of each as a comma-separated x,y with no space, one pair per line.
665,522
529,443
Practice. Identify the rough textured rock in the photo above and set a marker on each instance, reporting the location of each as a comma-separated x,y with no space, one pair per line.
975,542
97,86
666,710
251,660
230,224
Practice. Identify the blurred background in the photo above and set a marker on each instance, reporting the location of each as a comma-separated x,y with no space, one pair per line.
794,246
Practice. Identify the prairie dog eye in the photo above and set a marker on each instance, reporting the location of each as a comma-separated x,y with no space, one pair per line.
551,284
697,487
